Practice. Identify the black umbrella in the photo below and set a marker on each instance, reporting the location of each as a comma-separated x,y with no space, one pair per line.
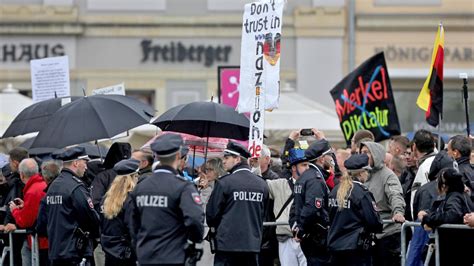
205,119
94,151
91,118
35,117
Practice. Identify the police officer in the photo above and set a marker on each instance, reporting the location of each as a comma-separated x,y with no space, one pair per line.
235,210
115,237
71,220
166,216
353,215
309,217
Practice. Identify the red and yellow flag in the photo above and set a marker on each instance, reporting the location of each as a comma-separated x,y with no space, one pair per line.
430,98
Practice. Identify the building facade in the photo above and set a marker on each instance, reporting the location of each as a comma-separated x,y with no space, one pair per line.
166,52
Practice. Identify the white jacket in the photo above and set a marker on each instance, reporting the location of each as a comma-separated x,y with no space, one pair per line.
280,191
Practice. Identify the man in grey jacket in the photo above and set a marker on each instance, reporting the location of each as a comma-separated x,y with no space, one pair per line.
388,194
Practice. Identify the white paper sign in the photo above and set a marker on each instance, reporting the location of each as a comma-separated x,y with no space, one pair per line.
260,54
257,126
50,78
118,89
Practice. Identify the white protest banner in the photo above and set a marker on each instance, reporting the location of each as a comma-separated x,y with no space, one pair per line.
50,78
257,125
118,89
260,54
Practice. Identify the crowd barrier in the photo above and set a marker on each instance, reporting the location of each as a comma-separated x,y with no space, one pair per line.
8,250
403,245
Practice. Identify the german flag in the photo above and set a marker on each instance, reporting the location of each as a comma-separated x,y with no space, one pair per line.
430,98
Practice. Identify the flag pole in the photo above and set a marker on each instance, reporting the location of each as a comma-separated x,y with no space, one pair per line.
439,134
466,103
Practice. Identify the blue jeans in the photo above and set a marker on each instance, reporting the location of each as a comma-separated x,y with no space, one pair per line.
417,244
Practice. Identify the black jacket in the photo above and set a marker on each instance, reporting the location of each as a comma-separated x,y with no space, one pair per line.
310,203
406,180
164,211
236,210
425,197
358,218
101,184
467,170
15,191
449,209
68,207
115,237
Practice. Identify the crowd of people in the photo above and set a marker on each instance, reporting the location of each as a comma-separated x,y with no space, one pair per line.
331,206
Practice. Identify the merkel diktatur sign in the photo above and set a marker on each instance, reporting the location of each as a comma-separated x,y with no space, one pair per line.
364,100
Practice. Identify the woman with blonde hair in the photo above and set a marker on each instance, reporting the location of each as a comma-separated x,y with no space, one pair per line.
353,215
115,237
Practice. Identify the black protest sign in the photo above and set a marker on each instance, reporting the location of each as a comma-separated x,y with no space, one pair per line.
364,100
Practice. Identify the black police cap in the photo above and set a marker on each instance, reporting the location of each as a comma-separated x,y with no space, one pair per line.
167,145
316,149
236,149
71,154
357,162
126,167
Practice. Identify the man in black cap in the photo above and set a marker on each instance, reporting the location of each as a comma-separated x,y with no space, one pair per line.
166,216
309,219
71,220
235,210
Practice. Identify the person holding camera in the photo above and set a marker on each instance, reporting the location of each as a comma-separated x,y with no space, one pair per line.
71,221
165,216
353,215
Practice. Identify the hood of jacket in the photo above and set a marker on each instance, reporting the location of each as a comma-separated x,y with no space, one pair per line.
378,154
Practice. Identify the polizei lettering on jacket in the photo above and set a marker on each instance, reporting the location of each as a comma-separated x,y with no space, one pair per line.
152,201
333,203
51,200
248,196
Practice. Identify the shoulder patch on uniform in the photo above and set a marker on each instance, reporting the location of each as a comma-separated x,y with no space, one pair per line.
196,198
89,201
318,203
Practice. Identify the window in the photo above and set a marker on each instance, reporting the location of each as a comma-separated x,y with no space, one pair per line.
126,5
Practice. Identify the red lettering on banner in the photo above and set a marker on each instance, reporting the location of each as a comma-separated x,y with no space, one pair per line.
255,149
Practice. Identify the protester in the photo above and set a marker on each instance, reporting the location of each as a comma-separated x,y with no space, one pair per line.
235,211
424,149
360,136
164,211
407,177
281,192
50,170
397,145
450,209
25,211
310,219
388,194
183,163
269,247
15,190
117,152
353,215
211,171
398,166
422,202
341,156
71,221
145,158
115,238
459,148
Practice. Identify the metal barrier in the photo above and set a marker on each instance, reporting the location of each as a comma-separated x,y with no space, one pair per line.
9,249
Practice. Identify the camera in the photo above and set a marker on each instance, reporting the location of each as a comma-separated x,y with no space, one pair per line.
306,132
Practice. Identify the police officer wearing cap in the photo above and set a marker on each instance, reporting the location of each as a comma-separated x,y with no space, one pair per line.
115,237
166,216
353,215
309,218
71,221
235,210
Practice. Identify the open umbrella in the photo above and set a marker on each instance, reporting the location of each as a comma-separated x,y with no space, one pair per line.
205,119
91,118
35,117
94,151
